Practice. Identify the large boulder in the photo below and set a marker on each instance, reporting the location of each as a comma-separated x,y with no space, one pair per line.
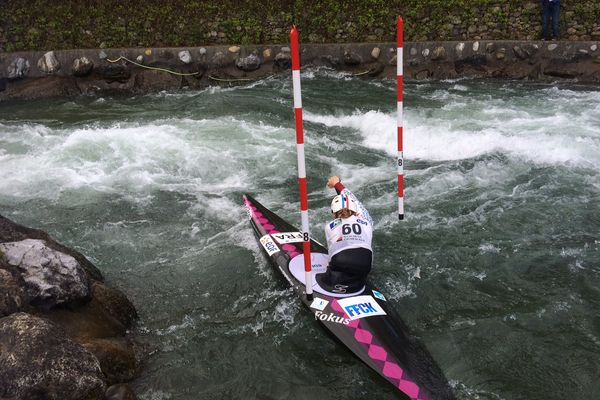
51,277
13,296
13,232
48,63
40,362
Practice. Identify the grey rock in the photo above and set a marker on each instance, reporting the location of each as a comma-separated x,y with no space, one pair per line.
51,277
490,47
459,49
425,53
521,52
218,59
476,46
413,51
249,63
351,58
82,66
19,68
285,49
40,362
202,51
185,56
552,47
102,55
139,59
48,63
283,60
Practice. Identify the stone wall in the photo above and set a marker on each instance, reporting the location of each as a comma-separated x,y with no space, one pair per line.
29,75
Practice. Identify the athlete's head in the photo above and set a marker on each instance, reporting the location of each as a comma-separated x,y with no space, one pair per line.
342,206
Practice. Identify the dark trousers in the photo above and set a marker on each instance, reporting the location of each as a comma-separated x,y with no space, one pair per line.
347,271
550,10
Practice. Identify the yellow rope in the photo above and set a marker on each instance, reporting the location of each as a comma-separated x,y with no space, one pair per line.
363,73
229,80
152,68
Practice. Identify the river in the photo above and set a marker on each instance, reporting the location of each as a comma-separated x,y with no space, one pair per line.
496,266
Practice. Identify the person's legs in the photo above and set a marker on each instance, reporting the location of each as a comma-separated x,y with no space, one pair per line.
545,17
555,19
347,271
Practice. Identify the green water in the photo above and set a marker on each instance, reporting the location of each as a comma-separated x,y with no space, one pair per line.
496,267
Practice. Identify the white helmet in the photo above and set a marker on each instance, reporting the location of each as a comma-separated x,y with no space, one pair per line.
342,201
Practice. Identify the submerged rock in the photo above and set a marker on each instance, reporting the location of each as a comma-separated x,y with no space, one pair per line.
39,361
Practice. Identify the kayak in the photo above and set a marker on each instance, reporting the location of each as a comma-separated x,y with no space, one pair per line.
363,321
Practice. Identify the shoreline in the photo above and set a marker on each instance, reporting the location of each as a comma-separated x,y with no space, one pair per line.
66,73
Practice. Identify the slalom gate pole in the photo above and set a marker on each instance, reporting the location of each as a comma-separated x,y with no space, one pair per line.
400,89
301,161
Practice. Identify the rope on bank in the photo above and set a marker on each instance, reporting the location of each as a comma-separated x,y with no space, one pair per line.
152,68
363,73
230,80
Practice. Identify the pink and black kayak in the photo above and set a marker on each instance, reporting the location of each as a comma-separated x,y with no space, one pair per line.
364,321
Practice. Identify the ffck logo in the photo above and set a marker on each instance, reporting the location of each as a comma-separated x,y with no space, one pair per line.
360,307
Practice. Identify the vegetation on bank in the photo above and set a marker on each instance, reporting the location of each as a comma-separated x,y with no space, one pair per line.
67,24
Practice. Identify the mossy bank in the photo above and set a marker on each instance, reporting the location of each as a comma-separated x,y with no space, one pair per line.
72,24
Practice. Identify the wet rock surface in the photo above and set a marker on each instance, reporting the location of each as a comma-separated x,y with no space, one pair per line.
64,334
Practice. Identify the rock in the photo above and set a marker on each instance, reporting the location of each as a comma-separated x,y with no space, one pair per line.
249,63
218,60
552,47
267,53
521,53
285,49
116,357
19,68
148,52
40,362
102,55
501,53
393,60
476,47
439,53
185,56
48,63
424,74
139,59
115,73
82,66
375,53
593,47
352,59
234,49
283,60
202,51
121,391
51,277
13,297
490,47
413,51
459,49
425,52
148,80
50,86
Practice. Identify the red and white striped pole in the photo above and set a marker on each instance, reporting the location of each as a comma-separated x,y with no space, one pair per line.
400,84
301,162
